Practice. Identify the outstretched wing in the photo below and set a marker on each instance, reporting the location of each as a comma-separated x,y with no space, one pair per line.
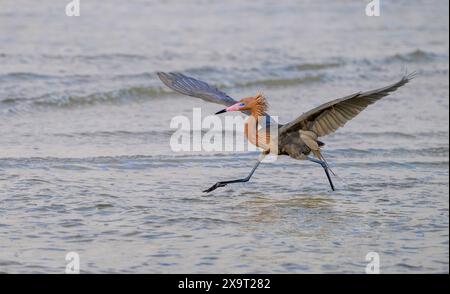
195,88
328,117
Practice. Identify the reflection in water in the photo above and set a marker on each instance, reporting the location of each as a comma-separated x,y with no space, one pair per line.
271,210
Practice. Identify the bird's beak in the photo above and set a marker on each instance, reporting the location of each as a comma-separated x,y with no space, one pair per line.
221,111
234,107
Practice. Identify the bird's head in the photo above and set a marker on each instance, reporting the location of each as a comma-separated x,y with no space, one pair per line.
257,105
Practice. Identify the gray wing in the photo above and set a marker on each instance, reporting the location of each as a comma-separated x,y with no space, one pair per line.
330,116
195,88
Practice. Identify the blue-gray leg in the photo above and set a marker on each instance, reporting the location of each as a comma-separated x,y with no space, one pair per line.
224,183
325,168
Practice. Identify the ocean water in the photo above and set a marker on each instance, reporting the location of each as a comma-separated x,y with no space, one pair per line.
86,164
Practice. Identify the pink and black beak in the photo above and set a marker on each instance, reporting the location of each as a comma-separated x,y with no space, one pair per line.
234,107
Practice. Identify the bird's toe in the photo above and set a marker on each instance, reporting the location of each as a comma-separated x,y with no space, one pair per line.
214,187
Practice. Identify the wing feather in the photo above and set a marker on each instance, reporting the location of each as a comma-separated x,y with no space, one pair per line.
195,88
330,116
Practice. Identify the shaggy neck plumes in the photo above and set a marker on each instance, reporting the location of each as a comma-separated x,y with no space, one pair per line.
260,106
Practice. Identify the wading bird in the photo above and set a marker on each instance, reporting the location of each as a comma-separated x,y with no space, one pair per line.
298,138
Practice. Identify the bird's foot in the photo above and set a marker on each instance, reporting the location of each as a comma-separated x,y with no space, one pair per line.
214,187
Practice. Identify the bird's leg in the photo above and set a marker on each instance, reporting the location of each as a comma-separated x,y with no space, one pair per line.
246,179
325,168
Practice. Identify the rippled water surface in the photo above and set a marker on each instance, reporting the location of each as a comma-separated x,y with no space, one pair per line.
86,166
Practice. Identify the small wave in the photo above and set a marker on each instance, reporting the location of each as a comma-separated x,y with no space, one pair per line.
413,56
396,164
112,97
349,152
410,266
25,76
137,76
384,134
87,58
61,100
314,66
119,133
201,221
282,82
76,56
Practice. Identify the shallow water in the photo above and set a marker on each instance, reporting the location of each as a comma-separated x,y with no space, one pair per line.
86,166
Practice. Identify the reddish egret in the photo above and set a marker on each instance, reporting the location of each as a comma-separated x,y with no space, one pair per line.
298,138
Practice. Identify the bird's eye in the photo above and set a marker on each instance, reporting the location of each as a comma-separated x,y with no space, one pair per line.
242,104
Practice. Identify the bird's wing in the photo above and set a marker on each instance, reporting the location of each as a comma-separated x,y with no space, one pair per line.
195,88
330,116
